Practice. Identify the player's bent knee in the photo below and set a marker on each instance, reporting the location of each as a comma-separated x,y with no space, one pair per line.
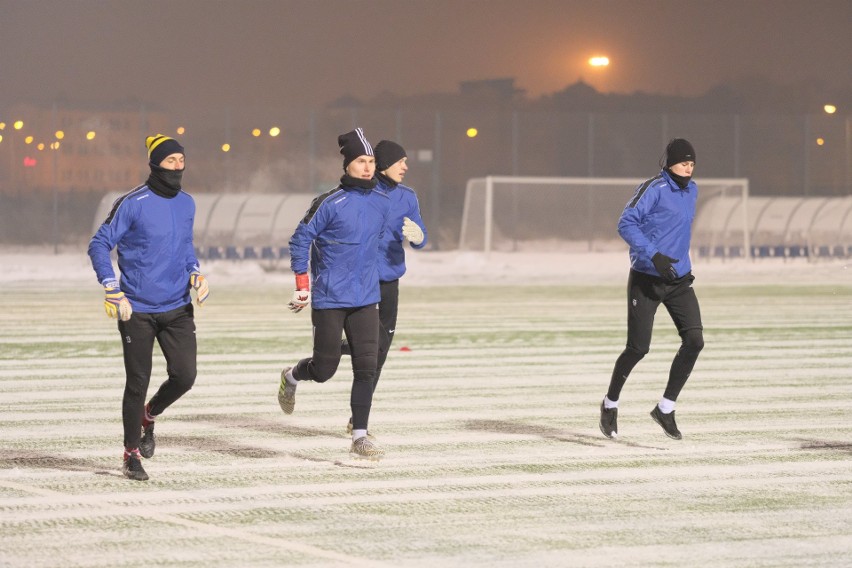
693,340
636,353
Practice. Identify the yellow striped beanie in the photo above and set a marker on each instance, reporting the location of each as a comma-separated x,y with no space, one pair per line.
160,147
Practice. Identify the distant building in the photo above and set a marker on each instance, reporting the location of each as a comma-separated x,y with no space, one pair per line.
75,147
502,89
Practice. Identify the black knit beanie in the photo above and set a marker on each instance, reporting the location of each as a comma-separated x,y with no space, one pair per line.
679,150
160,147
352,145
387,154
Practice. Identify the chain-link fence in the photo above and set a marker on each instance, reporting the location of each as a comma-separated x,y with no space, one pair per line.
50,195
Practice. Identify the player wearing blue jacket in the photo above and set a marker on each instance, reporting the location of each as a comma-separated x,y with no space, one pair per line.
151,227
657,224
340,234
404,223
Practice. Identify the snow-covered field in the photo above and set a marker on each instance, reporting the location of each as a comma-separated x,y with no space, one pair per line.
489,419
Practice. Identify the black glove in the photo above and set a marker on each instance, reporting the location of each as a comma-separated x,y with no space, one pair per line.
663,264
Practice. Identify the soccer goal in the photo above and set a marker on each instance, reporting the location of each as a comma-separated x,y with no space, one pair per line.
509,213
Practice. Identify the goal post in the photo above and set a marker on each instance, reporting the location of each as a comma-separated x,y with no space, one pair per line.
515,213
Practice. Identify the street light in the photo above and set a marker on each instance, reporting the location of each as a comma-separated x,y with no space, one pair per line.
472,132
274,131
599,61
829,109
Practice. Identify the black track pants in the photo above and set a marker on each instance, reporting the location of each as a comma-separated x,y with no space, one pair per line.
361,327
175,332
388,308
645,293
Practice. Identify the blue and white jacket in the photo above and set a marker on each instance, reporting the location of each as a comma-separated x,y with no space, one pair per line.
658,218
155,251
340,234
403,204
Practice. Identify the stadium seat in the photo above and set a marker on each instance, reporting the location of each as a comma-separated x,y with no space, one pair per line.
231,253
214,253
284,252
779,251
249,253
735,252
267,253
838,251
719,251
796,251
761,251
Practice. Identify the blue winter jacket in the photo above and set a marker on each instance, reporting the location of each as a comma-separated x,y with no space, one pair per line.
341,233
155,252
403,203
658,218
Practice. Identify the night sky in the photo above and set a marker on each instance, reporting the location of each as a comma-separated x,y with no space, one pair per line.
306,53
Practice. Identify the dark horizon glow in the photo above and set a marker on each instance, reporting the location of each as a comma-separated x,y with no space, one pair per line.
301,53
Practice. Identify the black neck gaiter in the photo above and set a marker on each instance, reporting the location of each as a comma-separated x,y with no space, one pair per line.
681,181
360,183
386,180
163,182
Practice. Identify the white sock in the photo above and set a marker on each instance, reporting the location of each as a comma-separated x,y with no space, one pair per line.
666,405
610,404
358,434
290,378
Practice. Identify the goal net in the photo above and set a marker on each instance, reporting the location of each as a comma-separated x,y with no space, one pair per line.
509,213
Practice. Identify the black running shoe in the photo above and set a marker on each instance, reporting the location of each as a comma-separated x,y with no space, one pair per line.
609,422
148,443
132,467
667,421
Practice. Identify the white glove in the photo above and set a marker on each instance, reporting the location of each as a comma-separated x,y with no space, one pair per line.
301,298
302,293
412,231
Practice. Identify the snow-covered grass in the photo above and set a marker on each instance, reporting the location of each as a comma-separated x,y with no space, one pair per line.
489,419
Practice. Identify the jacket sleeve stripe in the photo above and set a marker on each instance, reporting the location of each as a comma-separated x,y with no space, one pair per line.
117,203
641,190
315,204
